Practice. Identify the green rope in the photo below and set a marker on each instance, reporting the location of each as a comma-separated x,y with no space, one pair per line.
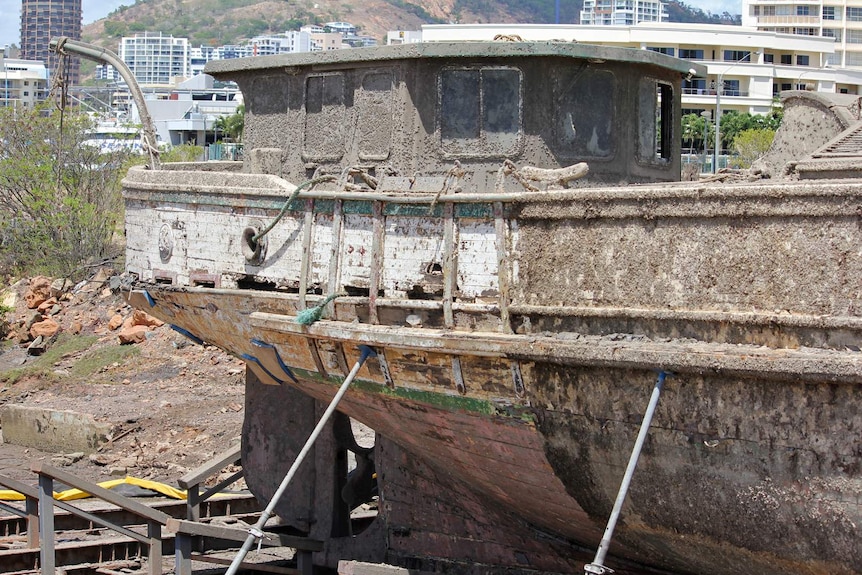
292,197
311,315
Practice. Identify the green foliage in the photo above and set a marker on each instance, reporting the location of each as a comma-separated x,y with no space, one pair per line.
751,144
693,126
43,366
536,11
733,123
183,153
681,12
60,202
232,126
116,29
93,361
417,11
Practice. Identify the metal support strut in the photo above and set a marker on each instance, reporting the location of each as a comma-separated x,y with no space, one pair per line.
597,567
256,532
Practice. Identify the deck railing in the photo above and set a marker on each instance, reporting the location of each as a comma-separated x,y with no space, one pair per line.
155,520
192,481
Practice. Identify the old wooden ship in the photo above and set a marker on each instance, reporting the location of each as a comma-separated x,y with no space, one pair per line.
436,198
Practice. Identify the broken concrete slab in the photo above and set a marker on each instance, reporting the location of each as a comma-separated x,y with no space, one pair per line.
52,430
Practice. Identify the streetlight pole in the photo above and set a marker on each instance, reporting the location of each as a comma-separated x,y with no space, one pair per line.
706,115
719,86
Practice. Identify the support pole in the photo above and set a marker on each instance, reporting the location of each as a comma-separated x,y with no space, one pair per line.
256,532
597,566
47,559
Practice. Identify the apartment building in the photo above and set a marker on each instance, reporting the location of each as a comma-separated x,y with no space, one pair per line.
840,20
622,12
746,67
155,58
290,41
25,82
42,20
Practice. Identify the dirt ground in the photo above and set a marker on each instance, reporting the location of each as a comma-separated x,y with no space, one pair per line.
172,404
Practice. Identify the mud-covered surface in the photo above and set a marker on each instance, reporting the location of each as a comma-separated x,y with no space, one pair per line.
810,120
769,475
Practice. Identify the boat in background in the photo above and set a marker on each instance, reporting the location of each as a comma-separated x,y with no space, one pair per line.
112,135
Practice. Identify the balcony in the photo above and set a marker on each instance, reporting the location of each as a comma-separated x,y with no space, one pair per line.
787,19
708,92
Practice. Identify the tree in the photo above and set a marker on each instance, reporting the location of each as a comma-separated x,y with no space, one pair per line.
60,202
752,144
232,125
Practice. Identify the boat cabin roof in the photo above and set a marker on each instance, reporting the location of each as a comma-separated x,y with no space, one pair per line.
458,50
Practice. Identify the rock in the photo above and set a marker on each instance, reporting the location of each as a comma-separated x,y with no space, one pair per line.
61,461
143,318
77,456
76,327
38,291
117,471
115,322
59,286
97,281
99,459
134,334
36,317
46,305
37,347
46,328
55,309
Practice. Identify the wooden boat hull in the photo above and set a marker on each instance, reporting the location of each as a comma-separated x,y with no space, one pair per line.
737,471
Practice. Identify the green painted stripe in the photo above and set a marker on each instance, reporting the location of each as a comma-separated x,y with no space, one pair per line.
440,400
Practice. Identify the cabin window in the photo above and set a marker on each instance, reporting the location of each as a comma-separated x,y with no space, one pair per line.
585,114
325,118
480,111
375,105
655,104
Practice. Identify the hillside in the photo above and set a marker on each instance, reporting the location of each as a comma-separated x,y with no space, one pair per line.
218,22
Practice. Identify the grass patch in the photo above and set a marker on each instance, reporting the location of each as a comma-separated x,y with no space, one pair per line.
91,362
43,365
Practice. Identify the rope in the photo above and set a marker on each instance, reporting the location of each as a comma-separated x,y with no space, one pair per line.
61,83
508,37
311,315
314,181
510,169
452,176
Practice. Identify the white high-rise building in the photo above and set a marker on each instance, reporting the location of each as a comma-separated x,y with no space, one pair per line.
155,59
622,12
25,82
838,19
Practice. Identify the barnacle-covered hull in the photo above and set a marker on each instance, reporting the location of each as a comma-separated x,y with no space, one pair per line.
519,328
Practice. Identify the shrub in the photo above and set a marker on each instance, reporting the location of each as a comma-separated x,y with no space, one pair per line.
60,201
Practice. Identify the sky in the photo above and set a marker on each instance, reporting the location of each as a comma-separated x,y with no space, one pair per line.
10,16
10,13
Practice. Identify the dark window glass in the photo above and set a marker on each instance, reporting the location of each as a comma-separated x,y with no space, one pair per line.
500,94
480,111
460,104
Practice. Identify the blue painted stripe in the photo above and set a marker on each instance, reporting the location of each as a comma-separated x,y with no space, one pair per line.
284,367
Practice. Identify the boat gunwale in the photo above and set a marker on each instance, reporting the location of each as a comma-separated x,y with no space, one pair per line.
681,355
139,179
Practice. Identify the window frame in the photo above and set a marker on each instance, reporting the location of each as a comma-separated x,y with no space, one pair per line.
484,150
